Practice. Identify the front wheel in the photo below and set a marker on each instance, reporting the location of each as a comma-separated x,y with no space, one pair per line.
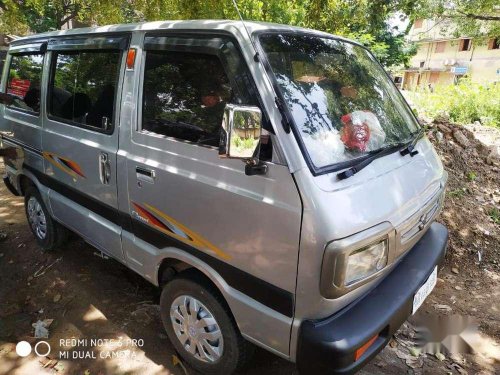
201,328
48,233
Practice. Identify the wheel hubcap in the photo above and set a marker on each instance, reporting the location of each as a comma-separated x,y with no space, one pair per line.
36,218
196,328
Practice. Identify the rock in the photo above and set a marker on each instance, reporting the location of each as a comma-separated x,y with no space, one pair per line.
461,138
424,120
454,270
41,330
458,287
444,129
439,137
57,298
493,154
442,117
415,351
442,307
440,356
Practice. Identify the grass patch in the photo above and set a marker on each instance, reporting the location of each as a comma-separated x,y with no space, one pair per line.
457,193
471,176
464,102
494,214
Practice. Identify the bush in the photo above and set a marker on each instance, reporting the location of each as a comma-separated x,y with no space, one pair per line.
464,103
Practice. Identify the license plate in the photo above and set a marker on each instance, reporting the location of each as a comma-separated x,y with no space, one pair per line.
424,291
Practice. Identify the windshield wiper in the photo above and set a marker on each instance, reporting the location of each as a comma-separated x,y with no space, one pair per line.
362,164
410,149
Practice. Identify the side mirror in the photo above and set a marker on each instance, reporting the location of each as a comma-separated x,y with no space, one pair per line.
240,136
6,99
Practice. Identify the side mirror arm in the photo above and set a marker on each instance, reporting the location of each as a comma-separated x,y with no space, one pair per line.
255,167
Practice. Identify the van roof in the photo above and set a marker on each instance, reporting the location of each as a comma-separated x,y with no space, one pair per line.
226,25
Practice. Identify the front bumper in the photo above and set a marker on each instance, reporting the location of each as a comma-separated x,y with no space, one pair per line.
329,345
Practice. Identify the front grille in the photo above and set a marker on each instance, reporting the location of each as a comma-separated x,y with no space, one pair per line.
408,233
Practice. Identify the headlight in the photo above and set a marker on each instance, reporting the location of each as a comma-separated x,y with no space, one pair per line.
353,261
365,262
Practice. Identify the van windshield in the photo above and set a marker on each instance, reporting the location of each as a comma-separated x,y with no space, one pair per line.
343,104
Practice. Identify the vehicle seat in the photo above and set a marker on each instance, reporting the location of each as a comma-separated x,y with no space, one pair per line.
76,107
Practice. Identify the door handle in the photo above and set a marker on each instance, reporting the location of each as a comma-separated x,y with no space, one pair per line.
145,174
104,168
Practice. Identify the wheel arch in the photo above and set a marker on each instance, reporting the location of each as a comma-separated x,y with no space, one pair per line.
24,182
181,263
172,265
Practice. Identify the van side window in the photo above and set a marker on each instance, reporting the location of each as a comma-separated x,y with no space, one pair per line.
25,75
184,96
82,87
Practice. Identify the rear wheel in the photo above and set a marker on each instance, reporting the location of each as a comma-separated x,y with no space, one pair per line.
48,233
201,328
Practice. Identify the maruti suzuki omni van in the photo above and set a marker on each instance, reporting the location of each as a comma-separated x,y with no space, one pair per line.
270,179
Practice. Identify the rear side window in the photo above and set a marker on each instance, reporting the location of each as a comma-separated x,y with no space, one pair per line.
25,75
83,86
184,96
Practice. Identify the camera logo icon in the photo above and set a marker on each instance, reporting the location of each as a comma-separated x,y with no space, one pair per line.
42,348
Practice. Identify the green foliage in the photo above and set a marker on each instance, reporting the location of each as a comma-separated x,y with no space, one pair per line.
478,19
471,176
363,20
242,143
465,102
24,16
494,214
457,193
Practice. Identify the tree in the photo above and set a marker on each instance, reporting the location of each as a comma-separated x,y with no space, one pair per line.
23,16
363,20
478,19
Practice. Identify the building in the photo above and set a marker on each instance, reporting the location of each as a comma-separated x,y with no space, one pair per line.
444,59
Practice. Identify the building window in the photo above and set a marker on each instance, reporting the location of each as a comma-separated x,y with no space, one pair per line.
184,96
440,47
422,63
494,43
25,74
464,45
418,23
82,88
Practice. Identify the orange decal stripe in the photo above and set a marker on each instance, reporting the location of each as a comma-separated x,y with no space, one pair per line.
74,166
150,217
67,166
196,239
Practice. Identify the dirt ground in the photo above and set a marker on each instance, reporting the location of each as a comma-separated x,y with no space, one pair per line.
89,297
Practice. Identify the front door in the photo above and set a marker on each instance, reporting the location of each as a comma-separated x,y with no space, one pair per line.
181,188
80,137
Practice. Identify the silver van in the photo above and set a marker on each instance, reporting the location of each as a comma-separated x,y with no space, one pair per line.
271,179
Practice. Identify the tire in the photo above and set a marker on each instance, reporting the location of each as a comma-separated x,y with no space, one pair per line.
48,236
236,351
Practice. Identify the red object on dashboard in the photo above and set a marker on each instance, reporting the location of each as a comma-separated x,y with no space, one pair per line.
354,136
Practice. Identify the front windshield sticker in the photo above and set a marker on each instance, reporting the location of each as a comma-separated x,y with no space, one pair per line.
342,102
